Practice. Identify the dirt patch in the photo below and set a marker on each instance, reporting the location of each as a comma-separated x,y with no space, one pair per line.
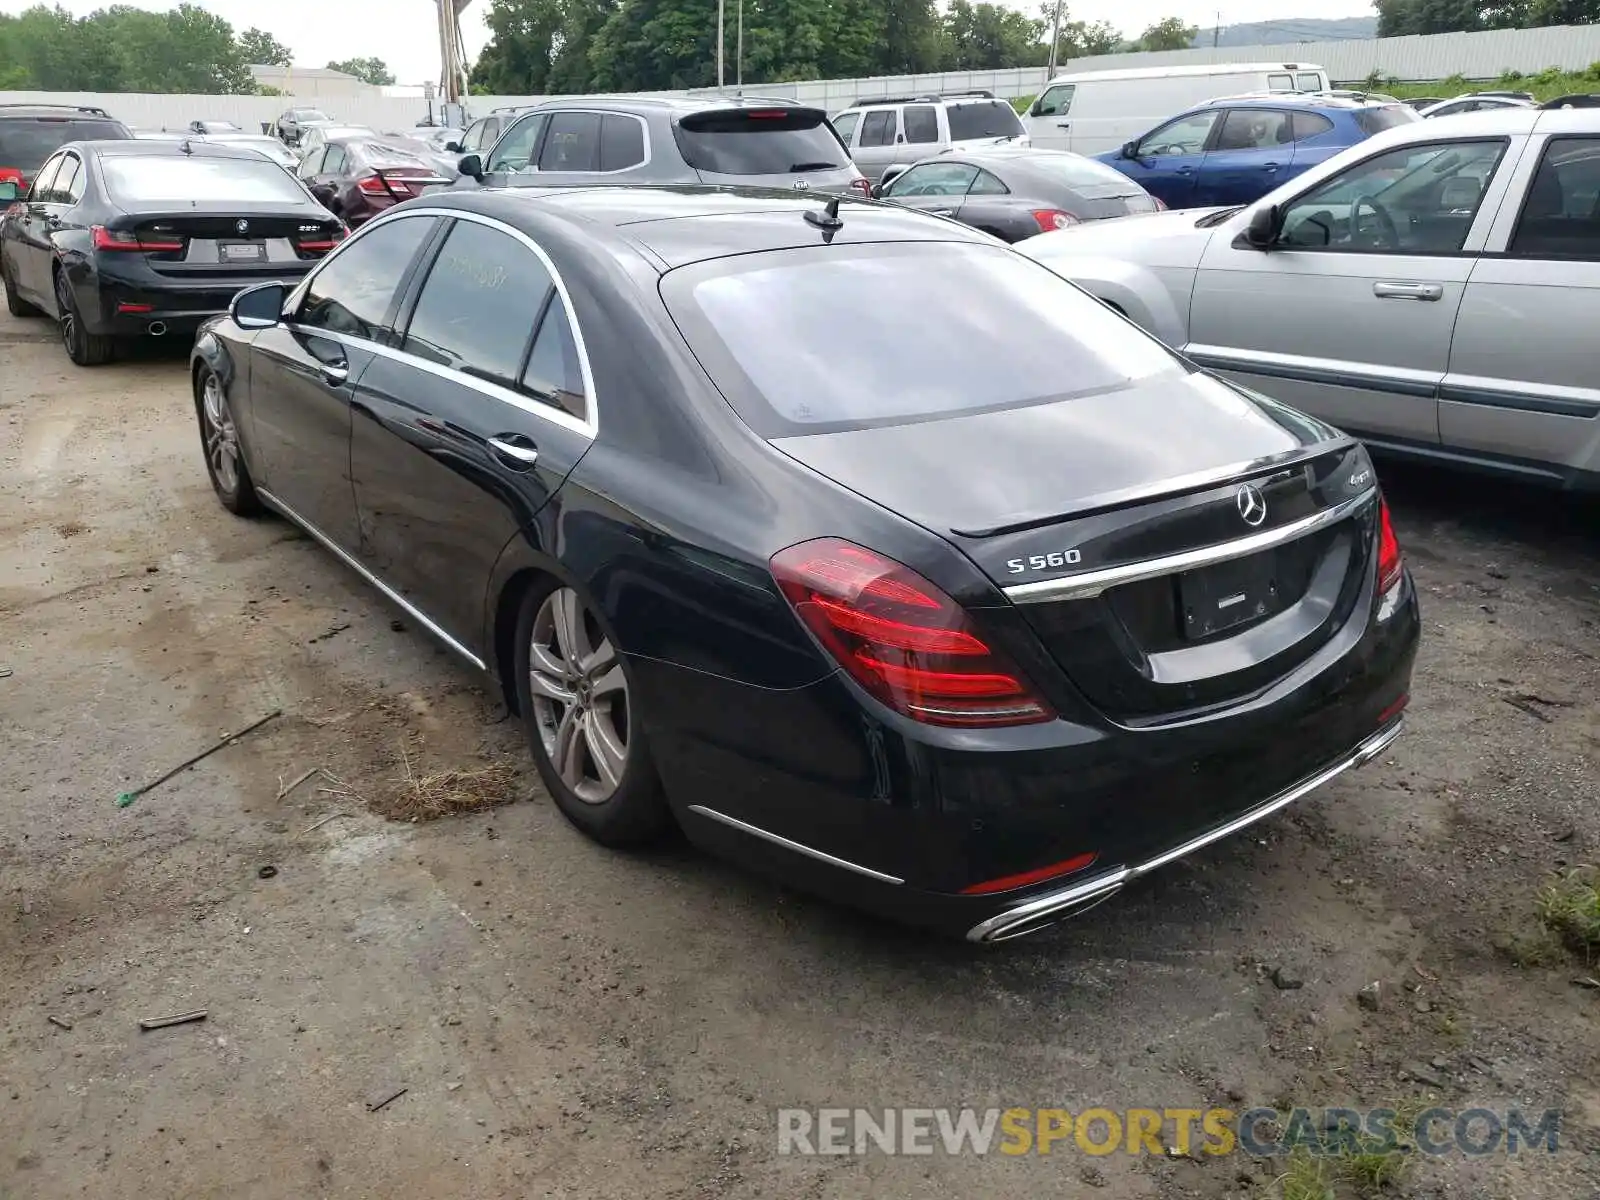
422,795
71,529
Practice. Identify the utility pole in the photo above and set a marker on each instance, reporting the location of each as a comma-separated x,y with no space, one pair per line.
721,5
452,55
1055,42
738,54
1216,32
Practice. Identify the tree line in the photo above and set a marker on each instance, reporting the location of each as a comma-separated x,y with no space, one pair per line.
126,49
540,47
1397,17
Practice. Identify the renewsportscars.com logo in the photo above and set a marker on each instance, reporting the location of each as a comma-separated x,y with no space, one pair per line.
1183,1132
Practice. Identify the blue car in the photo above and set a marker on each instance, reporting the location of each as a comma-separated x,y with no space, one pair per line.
1236,150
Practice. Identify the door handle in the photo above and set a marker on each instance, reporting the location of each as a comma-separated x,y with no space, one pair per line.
1063,124
1408,291
518,449
1269,166
335,374
1185,170
943,212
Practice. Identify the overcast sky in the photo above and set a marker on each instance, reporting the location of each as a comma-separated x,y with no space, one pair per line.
404,33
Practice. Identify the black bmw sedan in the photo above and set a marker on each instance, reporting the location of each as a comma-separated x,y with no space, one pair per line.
125,239
866,550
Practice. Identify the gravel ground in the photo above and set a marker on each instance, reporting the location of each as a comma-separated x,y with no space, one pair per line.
572,1022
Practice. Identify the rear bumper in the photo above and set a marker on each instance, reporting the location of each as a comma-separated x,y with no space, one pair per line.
128,306
817,787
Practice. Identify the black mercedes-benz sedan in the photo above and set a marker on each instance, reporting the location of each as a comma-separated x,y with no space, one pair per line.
865,549
125,239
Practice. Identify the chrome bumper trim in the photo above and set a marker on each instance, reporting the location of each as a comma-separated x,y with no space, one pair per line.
1092,583
797,847
1031,913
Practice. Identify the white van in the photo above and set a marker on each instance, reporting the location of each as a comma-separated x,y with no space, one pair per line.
1091,111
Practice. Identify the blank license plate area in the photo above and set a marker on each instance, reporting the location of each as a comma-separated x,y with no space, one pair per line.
1217,598
243,252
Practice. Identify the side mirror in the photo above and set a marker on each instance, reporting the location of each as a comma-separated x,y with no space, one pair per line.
472,165
1036,108
1263,229
10,193
890,174
1130,150
452,148
259,307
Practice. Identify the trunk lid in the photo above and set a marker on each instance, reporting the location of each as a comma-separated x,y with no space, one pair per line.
246,240
1174,546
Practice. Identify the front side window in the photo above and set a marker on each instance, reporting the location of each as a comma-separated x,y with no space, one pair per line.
333,163
1418,199
45,180
1186,135
950,310
1255,129
1561,216
1056,101
514,152
355,291
933,179
477,307
845,125
922,124
477,138
311,164
878,128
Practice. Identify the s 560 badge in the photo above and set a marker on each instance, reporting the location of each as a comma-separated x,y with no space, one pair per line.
1044,562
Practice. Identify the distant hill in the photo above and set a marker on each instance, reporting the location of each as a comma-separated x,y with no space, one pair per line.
1293,29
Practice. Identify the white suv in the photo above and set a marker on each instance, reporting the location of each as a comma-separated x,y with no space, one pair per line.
888,134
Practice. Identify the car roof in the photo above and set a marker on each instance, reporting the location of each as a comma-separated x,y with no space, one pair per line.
671,105
1243,68
64,112
1310,101
180,148
682,224
1491,122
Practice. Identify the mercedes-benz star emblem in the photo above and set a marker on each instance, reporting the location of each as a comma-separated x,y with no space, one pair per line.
1252,505
243,226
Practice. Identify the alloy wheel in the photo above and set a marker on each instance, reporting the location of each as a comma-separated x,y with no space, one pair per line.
580,697
69,314
222,439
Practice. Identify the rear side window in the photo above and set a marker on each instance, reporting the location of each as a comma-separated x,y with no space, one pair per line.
1280,83
476,310
553,373
1561,216
621,142
25,142
922,124
761,142
988,119
1254,129
878,128
1309,125
353,293
1376,120
1309,81
70,183
573,143
179,179
950,310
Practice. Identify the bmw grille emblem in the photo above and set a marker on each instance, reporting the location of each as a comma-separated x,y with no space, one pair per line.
243,226
1252,505
802,184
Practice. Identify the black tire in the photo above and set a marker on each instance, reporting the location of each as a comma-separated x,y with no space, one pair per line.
84,348
635,812
15,304
230,476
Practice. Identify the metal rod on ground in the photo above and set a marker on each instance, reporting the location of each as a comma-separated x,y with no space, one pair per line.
127,798
180,1019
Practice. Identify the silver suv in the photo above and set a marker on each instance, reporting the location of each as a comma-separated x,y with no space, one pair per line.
1434,289
748,142
886,135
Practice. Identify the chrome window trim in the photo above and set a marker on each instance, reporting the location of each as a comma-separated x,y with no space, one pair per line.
798,847
1092,583
649,146
410,609
589,426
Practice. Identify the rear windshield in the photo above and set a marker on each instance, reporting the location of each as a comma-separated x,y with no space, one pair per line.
990,119
1076,171
1376,120
382,154
760,142
25,142
175,179
827,338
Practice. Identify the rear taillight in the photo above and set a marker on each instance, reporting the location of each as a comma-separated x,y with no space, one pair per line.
1390,560
1053,218
374,185
862,186
320,243
902,639
132,243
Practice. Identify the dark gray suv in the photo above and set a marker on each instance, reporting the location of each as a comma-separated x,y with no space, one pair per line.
749,142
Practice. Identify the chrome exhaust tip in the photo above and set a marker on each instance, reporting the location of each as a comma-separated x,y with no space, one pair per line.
1048,910
158,329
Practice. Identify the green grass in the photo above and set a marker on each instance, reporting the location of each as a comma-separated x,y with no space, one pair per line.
1305,1178
1364,1169
1569,906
